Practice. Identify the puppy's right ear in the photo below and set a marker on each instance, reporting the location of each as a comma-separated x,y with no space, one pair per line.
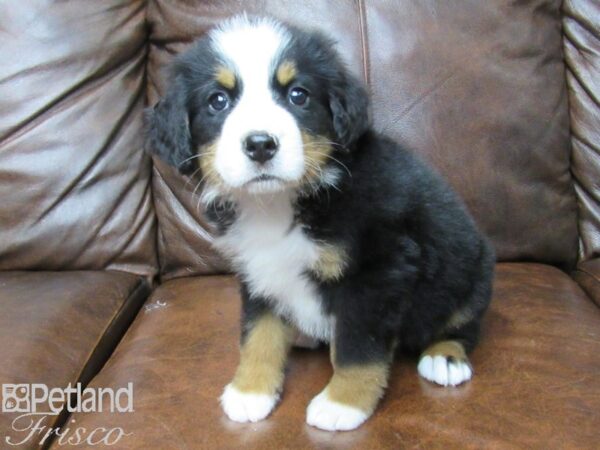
167,129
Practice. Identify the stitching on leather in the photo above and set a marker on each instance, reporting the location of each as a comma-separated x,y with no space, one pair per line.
579,279
588,273
362,25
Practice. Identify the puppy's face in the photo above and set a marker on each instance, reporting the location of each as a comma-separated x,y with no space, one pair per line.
259,107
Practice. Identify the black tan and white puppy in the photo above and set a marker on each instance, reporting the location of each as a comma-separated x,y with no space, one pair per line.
333,229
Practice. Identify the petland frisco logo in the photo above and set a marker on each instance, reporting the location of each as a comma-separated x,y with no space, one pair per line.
36,402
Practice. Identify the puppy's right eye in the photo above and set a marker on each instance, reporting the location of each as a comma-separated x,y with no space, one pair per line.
218,101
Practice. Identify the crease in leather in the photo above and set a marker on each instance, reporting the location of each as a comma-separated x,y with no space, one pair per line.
105,346
165,258
106,147
575,74
69,97
420,98
192,214
581,48
581,20
136,231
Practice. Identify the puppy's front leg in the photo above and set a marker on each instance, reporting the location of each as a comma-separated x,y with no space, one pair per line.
255,388
361,364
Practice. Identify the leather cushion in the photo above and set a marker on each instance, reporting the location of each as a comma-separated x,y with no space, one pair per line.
74,181
60,327
534,386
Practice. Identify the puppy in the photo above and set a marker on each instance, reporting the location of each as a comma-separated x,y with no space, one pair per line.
333,229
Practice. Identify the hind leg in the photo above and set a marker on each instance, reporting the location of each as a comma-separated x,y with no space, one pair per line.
445,361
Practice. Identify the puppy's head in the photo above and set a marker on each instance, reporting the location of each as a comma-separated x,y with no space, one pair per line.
260,107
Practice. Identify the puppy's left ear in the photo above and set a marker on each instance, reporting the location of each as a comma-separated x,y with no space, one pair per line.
167,129
349,104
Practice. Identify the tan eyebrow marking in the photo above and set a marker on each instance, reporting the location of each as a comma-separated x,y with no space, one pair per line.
286,72
225,77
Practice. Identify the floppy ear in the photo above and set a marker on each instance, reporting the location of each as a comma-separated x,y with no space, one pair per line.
167,129
349,105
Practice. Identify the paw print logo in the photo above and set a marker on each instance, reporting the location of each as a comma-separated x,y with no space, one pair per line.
15,398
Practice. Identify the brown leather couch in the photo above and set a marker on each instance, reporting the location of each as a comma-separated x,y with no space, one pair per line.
107,273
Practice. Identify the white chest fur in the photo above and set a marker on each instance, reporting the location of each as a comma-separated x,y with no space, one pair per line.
272,255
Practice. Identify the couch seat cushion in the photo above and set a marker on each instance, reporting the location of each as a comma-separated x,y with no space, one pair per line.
58,328
536,384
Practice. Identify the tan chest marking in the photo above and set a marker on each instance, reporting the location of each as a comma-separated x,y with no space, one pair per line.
331,262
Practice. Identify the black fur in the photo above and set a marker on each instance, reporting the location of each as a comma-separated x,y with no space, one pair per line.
168,129
415,255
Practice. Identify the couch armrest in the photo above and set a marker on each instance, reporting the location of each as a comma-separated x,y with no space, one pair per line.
587,276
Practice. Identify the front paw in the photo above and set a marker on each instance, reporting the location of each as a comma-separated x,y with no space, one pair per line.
328,415
246,406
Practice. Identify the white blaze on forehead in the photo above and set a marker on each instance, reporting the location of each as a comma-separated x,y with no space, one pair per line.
252,48
251,45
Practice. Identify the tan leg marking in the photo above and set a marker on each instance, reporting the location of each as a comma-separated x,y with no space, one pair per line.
452,349
350,397
359,386
459,318
263,356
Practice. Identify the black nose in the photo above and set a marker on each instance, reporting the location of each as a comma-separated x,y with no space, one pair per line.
260,147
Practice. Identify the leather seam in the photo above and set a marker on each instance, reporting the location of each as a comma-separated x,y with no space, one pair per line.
362,25
589,274
62,417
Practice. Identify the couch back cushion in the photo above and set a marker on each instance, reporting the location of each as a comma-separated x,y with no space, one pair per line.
74,183
581,25
477,88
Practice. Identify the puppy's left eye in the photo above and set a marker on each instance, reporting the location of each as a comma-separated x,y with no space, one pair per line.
218,101
298,96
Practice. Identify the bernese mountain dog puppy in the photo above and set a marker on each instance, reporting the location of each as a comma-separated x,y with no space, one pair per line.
334,230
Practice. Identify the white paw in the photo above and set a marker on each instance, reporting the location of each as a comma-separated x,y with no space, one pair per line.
246,407
331,416
440,370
